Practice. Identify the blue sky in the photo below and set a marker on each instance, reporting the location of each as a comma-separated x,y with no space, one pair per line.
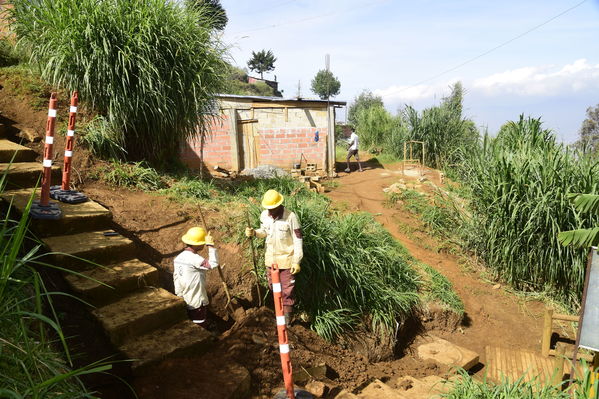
398,49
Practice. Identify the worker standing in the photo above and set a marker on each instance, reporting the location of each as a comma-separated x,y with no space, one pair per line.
284,243
190,273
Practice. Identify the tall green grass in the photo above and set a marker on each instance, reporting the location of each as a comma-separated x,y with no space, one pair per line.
150,67
520,183
448,136
467,387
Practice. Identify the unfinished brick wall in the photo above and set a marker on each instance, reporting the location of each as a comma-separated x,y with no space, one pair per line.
217,147
283,147
283,135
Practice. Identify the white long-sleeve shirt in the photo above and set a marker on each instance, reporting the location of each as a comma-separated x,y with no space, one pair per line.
189,276
283,239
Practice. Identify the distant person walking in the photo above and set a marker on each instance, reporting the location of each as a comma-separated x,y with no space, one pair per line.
352,141
190,273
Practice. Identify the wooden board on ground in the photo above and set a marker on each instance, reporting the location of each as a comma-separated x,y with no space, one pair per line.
512,364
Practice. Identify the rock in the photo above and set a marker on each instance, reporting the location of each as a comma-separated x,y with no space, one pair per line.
29,134
402,181
386,189
317,388
422,179
239,314
497,286
402,186
264,172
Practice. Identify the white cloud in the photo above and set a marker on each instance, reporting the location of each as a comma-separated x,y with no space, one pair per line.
541,80
546,80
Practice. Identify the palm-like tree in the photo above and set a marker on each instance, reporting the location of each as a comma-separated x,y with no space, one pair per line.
262,61
582,237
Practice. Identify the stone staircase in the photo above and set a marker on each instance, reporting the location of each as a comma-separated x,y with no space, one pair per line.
430,387
143,321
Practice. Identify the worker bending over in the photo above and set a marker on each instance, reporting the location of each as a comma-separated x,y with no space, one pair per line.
284,243
190,273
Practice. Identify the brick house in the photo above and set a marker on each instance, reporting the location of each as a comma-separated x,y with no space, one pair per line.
251,131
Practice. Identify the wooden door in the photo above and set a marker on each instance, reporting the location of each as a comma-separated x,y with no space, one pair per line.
249,143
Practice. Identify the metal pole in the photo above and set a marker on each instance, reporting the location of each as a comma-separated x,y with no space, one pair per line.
289,392
247,216
70,141
47,162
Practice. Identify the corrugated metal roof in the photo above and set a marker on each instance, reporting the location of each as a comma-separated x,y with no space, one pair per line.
279,99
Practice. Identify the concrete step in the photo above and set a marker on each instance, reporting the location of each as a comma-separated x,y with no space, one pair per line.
379,390
139,313
76,218
122,278
93,246
26,174
13,152
184,339
447,353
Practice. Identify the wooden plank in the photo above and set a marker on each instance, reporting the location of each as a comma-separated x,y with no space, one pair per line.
566,317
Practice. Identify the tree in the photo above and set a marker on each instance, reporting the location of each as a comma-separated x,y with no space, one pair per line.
262,61
589,131
364,101
325,84
213,11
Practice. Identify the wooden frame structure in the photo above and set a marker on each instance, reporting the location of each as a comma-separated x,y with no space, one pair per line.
411,161
546,350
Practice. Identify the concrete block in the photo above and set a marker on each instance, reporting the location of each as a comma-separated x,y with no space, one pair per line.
76,218
430,387
26,174
13,152
139,313
317,388
93,246
121,277
345,395
183,339
447,354
379,390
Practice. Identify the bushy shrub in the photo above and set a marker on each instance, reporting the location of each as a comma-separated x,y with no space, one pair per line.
150,67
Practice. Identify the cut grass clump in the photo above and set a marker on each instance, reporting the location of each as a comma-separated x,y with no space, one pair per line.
134,175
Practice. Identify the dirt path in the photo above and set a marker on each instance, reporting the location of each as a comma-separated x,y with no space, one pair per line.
493,316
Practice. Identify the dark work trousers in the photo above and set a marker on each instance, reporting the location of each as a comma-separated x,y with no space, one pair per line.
287,287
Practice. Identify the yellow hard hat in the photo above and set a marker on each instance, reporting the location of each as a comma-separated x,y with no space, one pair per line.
195,236
272,199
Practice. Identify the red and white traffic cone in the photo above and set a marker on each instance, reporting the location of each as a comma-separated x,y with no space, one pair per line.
289,392
64,193
44,209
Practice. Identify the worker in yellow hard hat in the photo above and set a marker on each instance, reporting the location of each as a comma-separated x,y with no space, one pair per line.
189,273
284,243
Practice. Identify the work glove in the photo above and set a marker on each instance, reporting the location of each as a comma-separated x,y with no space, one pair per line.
295,268
249,232
209,240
